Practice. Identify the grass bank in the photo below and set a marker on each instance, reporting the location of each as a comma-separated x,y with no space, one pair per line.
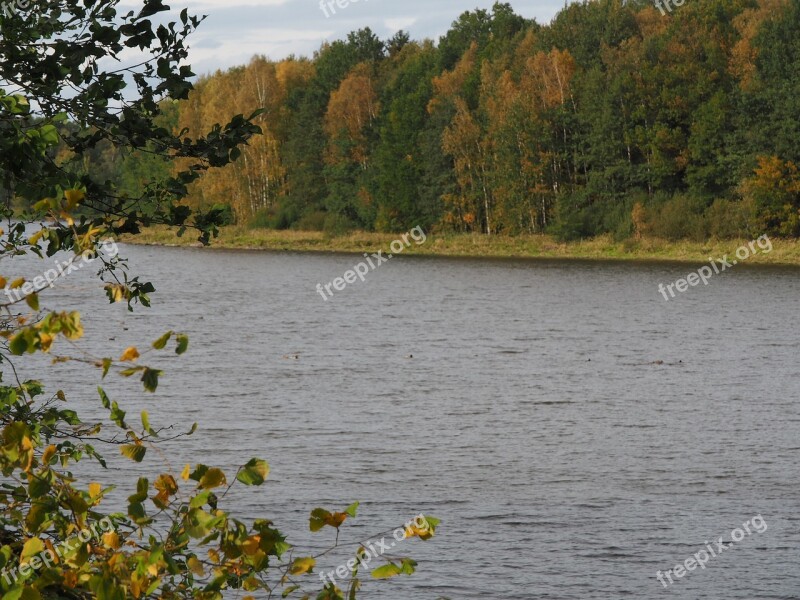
785,251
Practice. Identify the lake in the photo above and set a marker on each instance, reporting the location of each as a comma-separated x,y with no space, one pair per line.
574,432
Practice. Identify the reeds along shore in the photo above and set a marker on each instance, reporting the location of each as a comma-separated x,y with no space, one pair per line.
785,251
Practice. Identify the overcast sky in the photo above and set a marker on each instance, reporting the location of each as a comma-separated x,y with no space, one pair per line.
238,29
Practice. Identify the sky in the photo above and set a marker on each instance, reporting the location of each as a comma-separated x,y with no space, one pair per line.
236,30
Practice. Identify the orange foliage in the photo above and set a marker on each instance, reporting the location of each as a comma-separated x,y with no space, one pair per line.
548,78
351,108
257,179
742,62
449,84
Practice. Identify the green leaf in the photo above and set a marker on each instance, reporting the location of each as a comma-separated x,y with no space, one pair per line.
22,593
136,510
254,472
19,344
351,510
386,571
146,424
32,300
161,342
200,500
38,487
408,566
49,135
183,344
150,379
118,416
319,518
104,398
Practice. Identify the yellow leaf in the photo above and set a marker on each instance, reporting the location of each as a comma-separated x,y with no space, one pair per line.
213,478
195,566
3,280
117,292
46,341
95,489
423,533
130,354
111,540
166,484
73,197
187,470
48,454
31,548
251,545
17,283
34,239
302,565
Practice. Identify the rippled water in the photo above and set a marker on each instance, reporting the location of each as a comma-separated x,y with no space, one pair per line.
531,420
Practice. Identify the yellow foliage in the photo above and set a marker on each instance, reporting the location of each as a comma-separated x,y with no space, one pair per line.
130,354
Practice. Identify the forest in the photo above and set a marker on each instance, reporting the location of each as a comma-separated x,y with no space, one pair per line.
612,119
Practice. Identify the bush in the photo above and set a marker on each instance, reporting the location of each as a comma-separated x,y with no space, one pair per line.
730,219
338,225
680,217
281,217
314,221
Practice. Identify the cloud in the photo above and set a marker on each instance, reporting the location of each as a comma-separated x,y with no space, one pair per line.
210,51
398,23
235,30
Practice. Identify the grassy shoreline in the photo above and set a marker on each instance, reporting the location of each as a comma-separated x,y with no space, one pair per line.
785,251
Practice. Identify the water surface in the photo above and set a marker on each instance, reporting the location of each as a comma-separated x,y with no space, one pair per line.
562,463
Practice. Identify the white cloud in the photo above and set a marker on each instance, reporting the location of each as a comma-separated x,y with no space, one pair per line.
398,23
210,52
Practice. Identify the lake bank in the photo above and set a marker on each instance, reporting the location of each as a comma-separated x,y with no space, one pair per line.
784,252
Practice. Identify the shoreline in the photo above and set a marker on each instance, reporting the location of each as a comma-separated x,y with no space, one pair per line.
786,252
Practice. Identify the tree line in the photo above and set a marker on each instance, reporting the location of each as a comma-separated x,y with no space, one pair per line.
612,119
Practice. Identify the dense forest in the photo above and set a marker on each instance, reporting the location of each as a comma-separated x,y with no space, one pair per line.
614,118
